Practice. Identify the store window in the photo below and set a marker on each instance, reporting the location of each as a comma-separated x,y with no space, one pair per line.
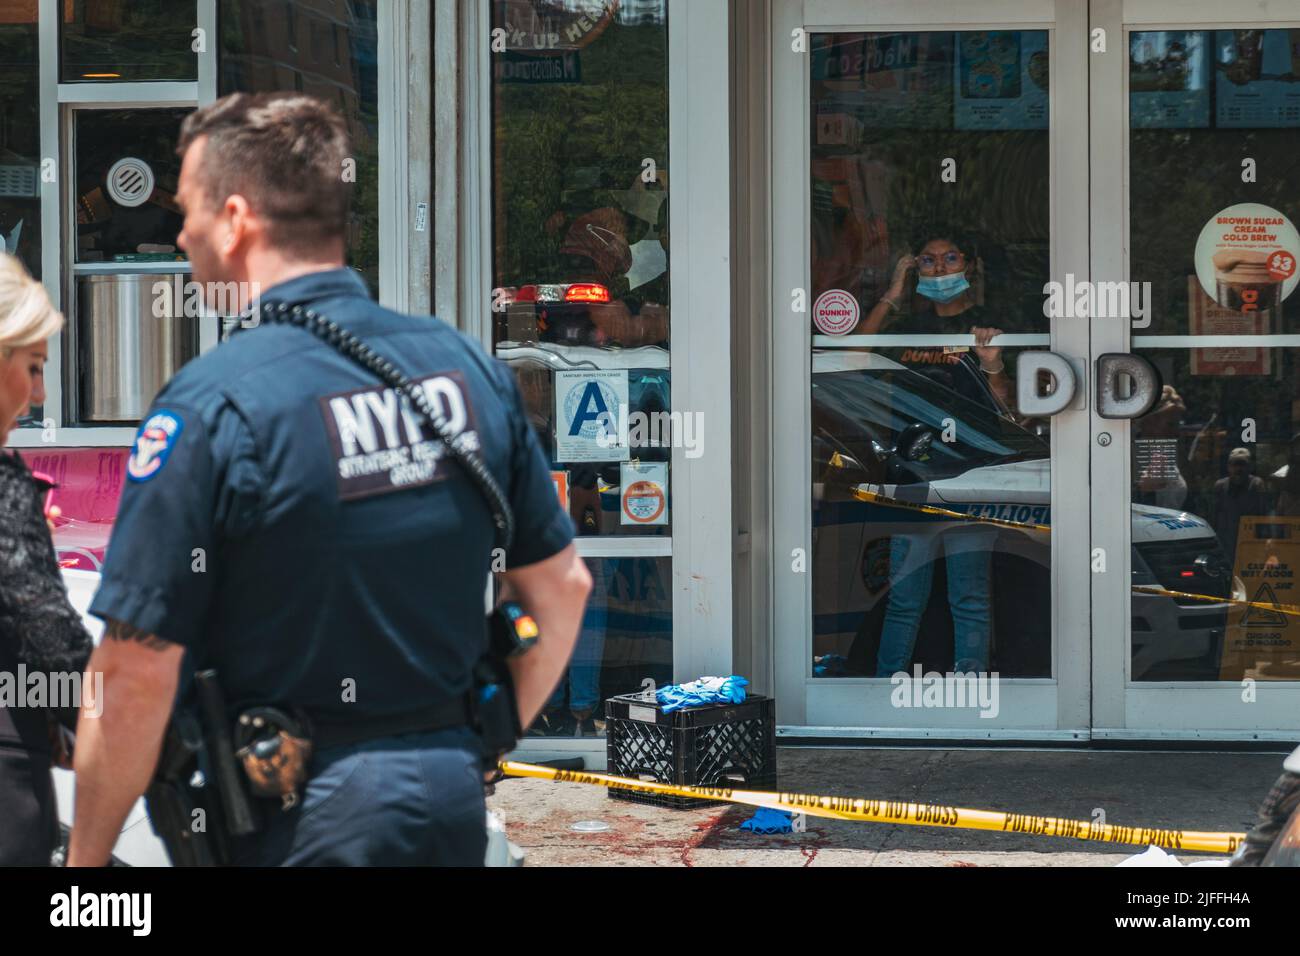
271,45
126,173
931,506
20,143
103,41
1214,116
20,138
580,307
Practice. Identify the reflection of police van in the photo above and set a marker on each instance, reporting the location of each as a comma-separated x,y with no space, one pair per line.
895,453
992,473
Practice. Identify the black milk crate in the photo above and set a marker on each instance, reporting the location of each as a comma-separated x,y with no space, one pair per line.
716,745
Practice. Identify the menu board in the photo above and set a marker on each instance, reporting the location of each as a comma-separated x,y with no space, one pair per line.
1000,80
885,80
1169,79
1258,73
1157,458
966,80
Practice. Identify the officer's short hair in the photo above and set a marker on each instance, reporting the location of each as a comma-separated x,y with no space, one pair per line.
26,313
286,153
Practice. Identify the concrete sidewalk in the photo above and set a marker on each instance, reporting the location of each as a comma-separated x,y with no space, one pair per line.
1166,790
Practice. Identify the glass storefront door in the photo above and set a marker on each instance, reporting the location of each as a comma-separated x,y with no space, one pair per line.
978,539
580,312
1196,110
928,195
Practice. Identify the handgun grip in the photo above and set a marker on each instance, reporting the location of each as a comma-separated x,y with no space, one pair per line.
221,751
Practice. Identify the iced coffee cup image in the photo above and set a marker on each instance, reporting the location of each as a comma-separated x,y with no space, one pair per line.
1242,281
1245,260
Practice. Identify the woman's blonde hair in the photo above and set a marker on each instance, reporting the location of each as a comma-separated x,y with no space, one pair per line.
26,314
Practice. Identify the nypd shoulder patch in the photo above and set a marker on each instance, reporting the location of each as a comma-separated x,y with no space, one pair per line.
153,444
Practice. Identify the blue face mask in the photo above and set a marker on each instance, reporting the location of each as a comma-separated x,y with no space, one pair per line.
942,288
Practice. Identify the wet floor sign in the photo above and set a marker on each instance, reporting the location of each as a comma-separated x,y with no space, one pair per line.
1262,639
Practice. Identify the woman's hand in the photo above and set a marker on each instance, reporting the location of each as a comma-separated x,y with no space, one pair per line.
990,356
901,268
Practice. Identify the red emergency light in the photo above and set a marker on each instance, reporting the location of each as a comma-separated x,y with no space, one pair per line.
586,292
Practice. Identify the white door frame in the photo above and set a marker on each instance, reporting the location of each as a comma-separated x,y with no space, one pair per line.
1040,709
699,87
1123,709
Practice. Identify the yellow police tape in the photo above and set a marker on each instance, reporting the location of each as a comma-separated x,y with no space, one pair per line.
1289,609
876,498
915,814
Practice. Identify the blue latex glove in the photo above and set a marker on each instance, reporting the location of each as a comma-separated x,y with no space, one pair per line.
830,665
767,820
706,690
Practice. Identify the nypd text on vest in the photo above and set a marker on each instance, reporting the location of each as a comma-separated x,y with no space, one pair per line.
379,442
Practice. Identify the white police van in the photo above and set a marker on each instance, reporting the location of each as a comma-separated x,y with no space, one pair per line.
896,453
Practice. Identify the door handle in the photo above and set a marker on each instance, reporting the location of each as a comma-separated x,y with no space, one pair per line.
1031,400
1143,392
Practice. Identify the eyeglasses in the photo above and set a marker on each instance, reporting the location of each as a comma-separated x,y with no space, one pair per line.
948,259
597,230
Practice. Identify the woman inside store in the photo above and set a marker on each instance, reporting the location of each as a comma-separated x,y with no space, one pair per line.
944,302
943,276
39,629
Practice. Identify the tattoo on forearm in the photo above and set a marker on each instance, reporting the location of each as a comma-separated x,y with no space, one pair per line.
121,631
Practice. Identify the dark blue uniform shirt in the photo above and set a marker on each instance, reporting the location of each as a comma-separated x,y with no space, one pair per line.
290,523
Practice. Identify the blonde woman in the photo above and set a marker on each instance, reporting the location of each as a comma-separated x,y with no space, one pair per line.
39,630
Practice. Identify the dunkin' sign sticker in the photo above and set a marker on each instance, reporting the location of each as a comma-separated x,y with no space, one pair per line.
835,312
644,499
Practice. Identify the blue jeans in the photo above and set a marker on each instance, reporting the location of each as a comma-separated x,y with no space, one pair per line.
582,679
911,572
415,800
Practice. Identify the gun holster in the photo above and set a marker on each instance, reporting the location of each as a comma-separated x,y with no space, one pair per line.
182,807
274,749
197,801
511,632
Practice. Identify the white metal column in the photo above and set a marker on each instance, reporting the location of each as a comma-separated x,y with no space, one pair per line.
51,221
405,153
699,197
1070,435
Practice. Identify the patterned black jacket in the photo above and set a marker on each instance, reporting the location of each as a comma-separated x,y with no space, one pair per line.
39,628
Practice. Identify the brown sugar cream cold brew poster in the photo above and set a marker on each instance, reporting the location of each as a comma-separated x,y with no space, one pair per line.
1246,262
1245,267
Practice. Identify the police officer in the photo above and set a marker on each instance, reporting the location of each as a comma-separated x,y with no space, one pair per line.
288,522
